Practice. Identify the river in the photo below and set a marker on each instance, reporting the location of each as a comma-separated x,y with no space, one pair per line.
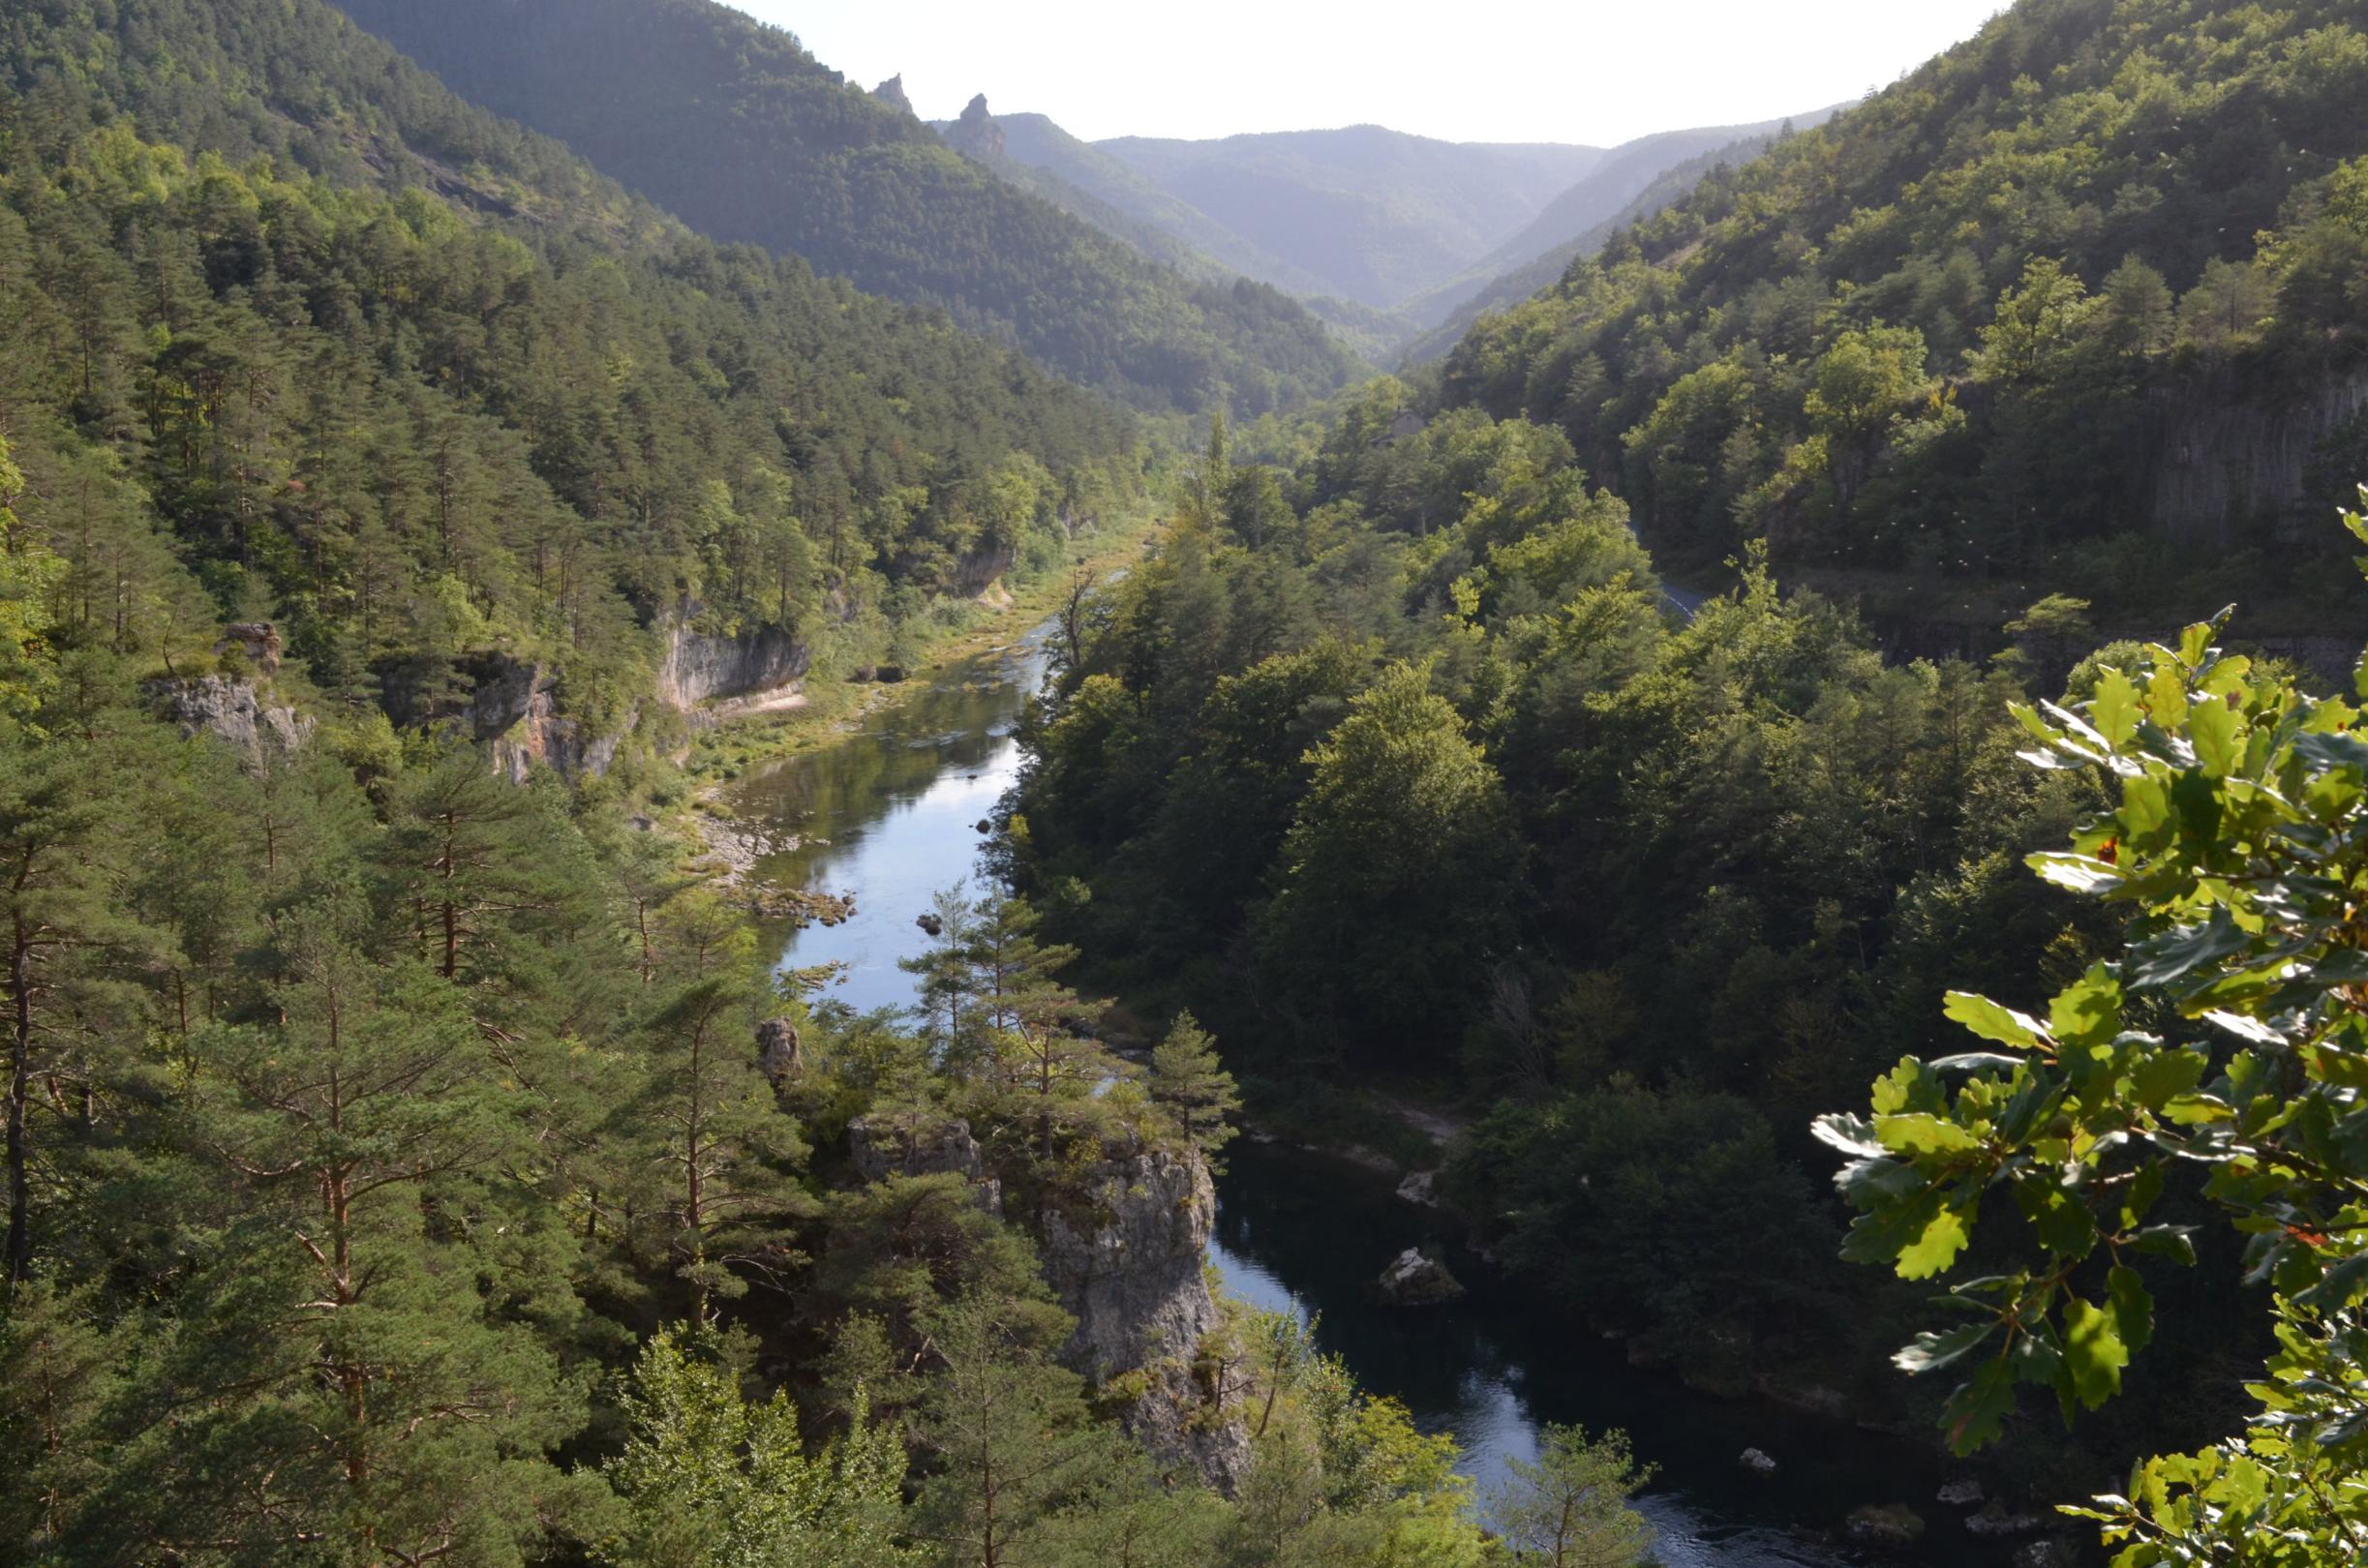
890,815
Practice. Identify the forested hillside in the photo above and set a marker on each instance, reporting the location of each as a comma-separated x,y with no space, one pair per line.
736,130
1398,764
295,325
2075,302
1633,183
406,1164
415,1153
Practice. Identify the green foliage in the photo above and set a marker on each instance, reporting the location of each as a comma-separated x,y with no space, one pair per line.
1602,1194
442,402
1925,337
1568,1507
1188,1079
711,1481
2221,1040
1402,813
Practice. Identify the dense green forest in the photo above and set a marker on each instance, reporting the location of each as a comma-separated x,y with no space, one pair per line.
739,131
1397,766
420,386
1947,336
397,1171
407,1164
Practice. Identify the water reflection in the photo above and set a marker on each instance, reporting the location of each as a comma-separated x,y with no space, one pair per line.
1308,1237
890,815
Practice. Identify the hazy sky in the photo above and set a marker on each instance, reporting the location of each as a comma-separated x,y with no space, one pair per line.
1582,71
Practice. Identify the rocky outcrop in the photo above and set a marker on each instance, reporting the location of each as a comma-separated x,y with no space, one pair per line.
2229,472
1894,1527
512,710
976,135
514,714
1414,1278
1123,1249
1999,1523
699,668
1755,1462
257,641
1421,1187
1965,1491
979,570
779,1054
1121,1241
892,93
234,710
911,1143
920,1143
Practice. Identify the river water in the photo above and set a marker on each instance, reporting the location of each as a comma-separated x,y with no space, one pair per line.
890,815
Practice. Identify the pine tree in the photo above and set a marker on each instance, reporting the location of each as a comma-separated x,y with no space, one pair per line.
713,1481
1568,1508
1189,1080
366,1361
1008,1429
707,1189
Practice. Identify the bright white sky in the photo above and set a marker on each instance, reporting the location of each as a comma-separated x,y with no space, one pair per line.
1595,71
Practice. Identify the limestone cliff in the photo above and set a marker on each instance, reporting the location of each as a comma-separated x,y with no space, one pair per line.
978,568
976,135
2230,472
514,714
1124,1247
920,1143
1121,1242
234,710
698,667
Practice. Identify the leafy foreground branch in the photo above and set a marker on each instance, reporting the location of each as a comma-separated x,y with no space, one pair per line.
2231,1040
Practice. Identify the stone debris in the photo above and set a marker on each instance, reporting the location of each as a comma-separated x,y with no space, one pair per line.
1414,1278
1884,1524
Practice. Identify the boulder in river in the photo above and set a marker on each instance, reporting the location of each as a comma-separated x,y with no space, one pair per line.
1754,1462
1885,1524
1963,1492
2052,1553
1995,1523
1420,1187
1414,1278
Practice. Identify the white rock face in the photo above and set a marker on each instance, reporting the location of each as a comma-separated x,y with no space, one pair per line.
234,711
698,667
1123,1249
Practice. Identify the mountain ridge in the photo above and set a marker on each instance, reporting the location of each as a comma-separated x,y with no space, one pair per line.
737,129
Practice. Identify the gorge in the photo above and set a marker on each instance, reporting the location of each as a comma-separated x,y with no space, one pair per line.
888,813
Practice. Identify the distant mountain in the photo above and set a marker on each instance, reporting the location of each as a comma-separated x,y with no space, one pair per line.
1372,215
1448,312
1606,194
1036,143
737,129
1035,154
1364,225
